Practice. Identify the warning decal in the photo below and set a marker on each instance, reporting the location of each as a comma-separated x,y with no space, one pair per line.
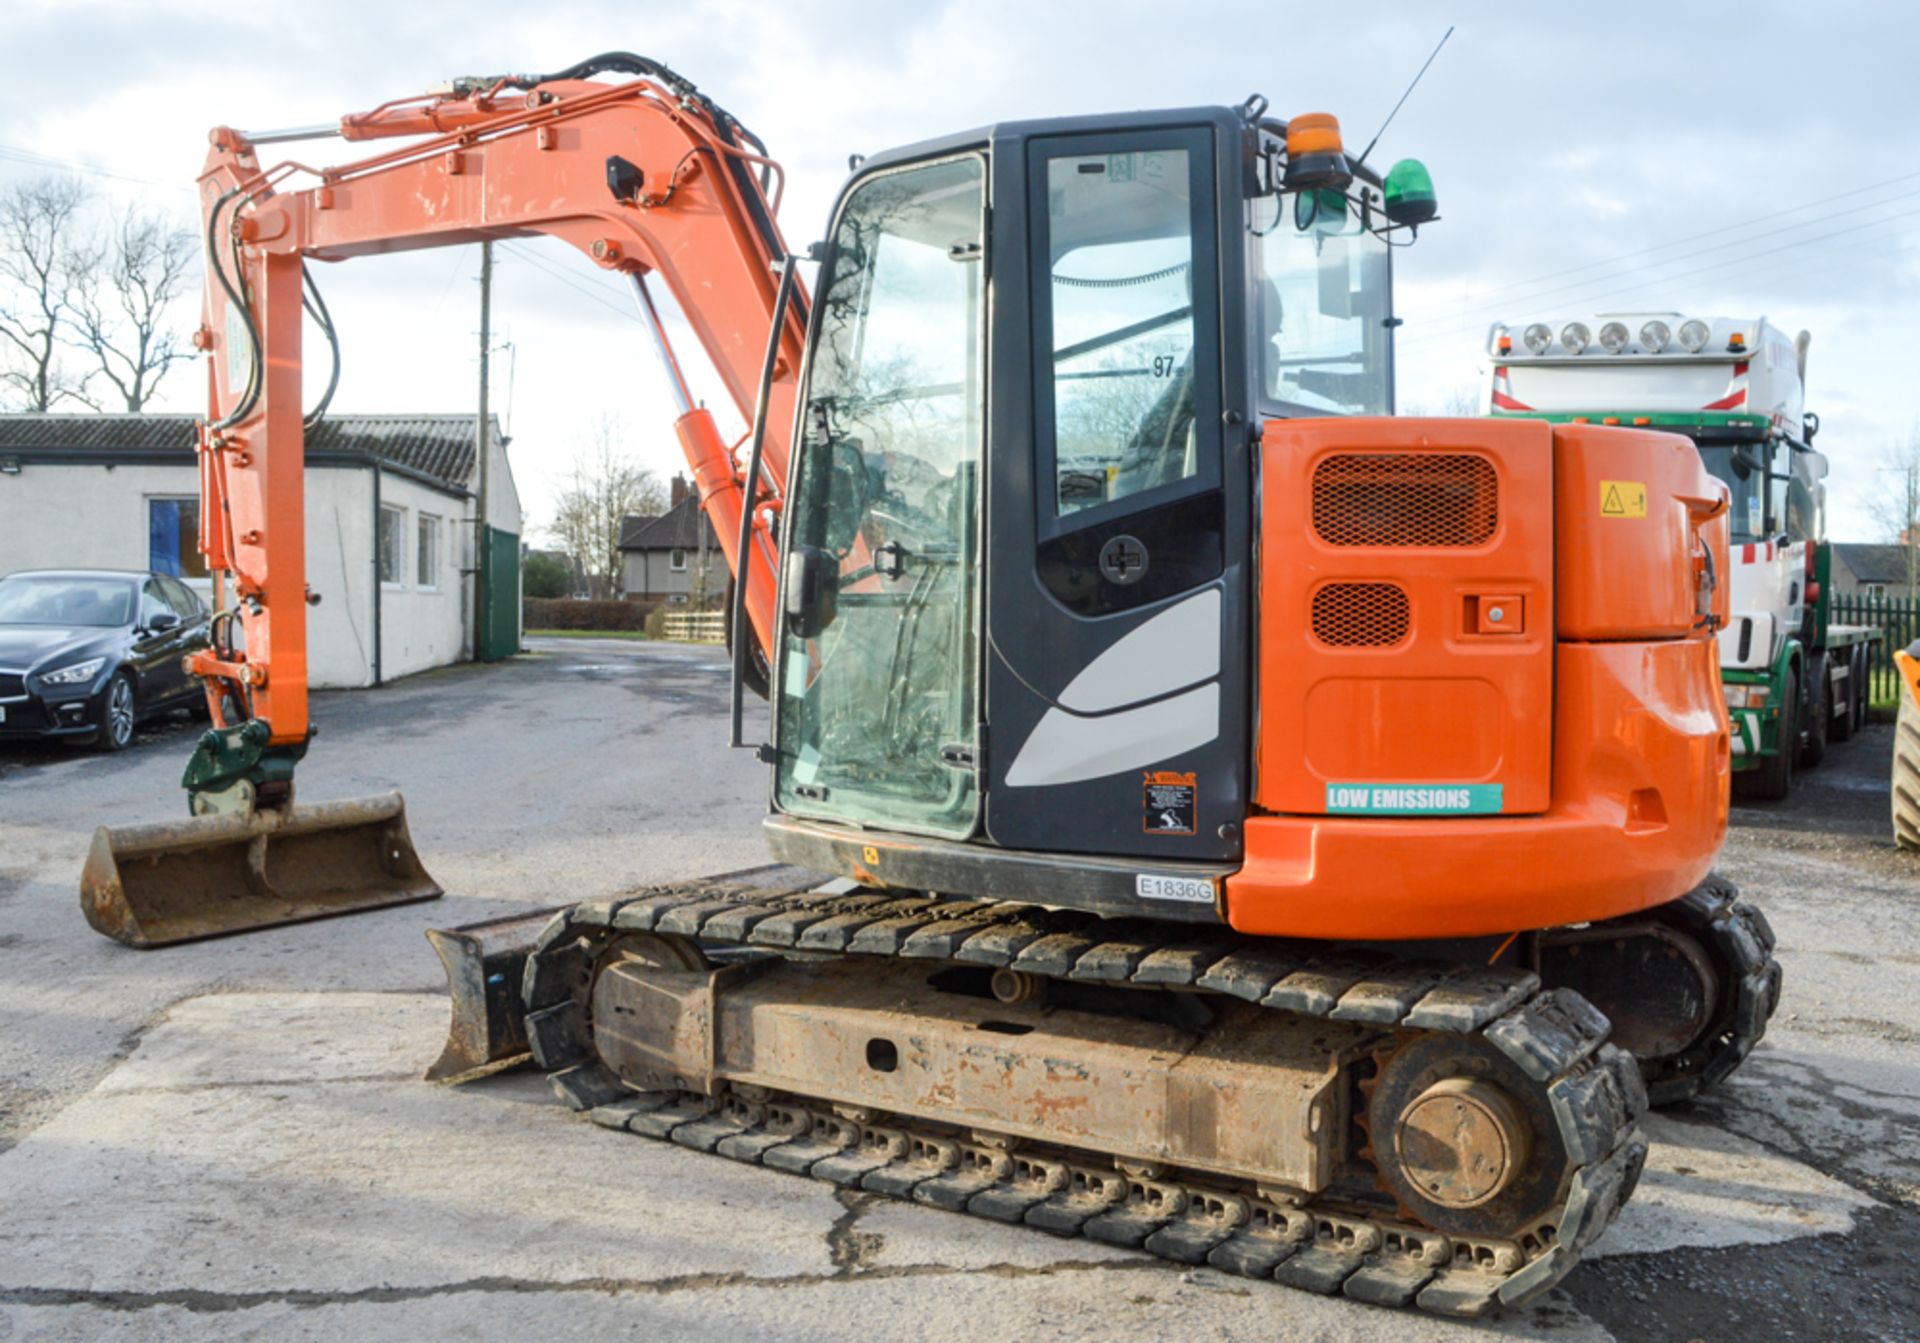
1168,802
1623,499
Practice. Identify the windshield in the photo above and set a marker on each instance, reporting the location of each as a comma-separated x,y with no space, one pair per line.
27,599
1747,507
1324,284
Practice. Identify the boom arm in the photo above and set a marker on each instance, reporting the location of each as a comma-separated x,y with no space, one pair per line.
644,177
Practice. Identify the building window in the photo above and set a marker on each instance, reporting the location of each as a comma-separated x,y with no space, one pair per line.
427,553
393,544
677,561
1874,589
173,538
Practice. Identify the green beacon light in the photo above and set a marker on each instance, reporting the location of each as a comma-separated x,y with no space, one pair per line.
1409,194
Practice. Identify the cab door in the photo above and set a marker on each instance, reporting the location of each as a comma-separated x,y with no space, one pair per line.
877,700
1117,610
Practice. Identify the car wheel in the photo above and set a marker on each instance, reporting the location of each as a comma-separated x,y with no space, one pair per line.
114,724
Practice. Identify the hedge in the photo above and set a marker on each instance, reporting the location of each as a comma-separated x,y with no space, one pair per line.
568,613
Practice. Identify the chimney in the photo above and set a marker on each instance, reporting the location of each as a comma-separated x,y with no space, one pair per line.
678,494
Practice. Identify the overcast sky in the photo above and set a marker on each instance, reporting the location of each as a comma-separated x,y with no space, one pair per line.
1740,160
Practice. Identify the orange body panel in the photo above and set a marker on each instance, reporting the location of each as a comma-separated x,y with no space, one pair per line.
1639,811
1450,520
1635,803
1629,587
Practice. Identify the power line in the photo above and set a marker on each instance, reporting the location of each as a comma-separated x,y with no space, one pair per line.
539,262
1464,321
32,158
1540,296
1709,233
1819,261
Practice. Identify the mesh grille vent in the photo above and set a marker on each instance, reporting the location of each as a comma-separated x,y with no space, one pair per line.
1360,615
1406,499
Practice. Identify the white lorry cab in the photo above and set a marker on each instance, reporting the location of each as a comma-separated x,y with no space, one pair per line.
1737,388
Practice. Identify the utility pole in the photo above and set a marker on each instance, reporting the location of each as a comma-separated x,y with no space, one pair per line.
481,587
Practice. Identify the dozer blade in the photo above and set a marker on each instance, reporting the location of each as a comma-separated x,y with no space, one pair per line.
210,876
484,964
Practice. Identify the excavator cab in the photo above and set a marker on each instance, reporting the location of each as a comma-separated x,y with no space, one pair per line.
1019,581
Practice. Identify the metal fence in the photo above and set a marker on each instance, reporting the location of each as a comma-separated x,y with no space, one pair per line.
1898,618
697,627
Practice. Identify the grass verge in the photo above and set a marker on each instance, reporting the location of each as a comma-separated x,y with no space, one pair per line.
586,634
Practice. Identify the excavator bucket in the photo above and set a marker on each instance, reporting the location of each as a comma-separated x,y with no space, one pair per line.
180,881
485,963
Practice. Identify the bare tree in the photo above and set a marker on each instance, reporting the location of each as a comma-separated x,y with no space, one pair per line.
605,487
1461,402
1897,509
124,304
44,258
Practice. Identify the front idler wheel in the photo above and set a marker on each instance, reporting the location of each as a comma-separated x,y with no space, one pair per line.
1464,1141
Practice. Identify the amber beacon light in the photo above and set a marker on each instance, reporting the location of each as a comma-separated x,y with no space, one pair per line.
1316,160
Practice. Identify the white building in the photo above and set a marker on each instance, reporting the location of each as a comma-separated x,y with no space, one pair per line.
391,519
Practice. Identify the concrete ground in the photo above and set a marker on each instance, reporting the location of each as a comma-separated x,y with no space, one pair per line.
230,1138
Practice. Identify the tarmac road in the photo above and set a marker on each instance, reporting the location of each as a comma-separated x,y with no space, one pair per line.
229,1138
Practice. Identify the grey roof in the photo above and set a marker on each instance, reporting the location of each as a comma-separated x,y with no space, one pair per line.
436,447
678,528
1871,563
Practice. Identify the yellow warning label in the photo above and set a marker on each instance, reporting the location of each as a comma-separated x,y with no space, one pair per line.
1623,499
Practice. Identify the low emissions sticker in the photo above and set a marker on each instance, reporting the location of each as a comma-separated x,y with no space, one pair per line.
1414,799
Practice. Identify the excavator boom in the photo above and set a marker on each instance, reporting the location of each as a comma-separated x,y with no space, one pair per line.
647,178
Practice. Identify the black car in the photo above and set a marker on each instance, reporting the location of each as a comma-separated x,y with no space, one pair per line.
92,652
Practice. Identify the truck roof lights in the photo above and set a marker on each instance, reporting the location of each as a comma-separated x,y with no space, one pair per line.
1736,343
1574,337
1504,344
1654,336
1538,337
1693,335
1613,337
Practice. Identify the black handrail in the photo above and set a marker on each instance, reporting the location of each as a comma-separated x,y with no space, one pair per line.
737,618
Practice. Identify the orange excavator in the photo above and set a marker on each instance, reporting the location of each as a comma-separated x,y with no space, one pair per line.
1210,814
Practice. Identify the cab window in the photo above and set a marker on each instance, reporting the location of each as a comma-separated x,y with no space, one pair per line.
153,602
1122,338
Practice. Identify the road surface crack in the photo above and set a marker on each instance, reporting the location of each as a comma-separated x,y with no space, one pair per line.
199,1301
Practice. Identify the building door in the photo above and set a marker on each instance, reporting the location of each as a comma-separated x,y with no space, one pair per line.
500,630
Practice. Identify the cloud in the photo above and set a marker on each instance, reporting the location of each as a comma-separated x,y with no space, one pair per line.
1558,139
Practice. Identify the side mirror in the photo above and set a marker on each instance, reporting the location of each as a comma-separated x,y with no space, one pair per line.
163,621
812,586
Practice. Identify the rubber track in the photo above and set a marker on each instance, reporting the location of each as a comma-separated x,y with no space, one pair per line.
1740,941
1554,1036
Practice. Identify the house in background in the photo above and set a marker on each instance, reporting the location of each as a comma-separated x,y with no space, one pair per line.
675,557
391,517
1869,570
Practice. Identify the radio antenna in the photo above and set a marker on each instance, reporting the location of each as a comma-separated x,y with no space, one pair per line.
1403,98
